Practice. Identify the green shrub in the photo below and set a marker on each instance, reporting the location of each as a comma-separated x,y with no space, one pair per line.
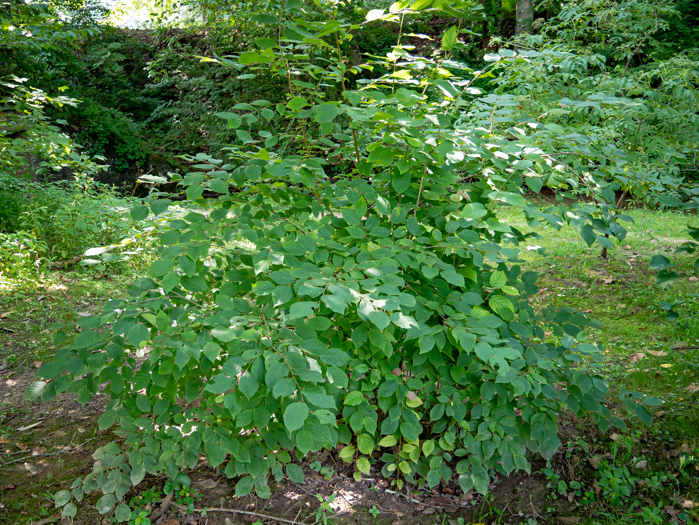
382,313
65,218
22,256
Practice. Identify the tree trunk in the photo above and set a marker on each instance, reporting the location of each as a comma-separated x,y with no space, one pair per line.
525,16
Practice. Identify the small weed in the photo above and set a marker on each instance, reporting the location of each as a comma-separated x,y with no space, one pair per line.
325,510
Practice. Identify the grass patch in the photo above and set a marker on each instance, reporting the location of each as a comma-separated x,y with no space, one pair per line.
642,475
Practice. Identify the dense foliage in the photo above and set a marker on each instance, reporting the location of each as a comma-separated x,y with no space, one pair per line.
340,277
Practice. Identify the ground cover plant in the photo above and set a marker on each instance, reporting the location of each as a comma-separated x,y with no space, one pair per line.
353,285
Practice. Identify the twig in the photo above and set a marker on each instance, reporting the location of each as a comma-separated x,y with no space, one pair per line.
411,500
46,520
248,513
333,516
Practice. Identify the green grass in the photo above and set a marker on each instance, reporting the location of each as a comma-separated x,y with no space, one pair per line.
645,351
29,308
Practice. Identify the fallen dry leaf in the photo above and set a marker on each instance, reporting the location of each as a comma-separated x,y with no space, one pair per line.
8,487
694,387
642,464
657,353
207,484
693,279
31,469
22,446
568,520
637,357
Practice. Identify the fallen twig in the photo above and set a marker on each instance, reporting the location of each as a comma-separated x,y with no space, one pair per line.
249,513
45,520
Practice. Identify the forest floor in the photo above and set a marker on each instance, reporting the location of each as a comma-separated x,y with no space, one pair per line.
641,475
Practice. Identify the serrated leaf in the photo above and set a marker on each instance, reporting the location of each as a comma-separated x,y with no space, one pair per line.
244,486
365,444
388,441
498,279
35,390
363,465
450,38
379,318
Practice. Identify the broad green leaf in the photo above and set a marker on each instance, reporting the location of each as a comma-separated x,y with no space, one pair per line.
379,318
69,511
295,473
326,112
295,416
61,498
450,38
105,503
452,277
388,441
659,262
244,486
302,309
122,513
304,441
335,303
353,399
139,212
365,444
363,465
498,279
